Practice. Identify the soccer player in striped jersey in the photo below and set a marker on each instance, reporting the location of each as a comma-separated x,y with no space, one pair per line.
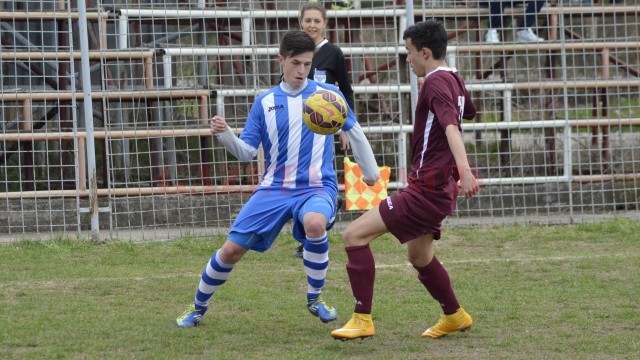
439,170
299,182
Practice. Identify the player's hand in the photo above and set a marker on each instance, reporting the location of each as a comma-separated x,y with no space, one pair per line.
218,125
344,141
468,184
420,82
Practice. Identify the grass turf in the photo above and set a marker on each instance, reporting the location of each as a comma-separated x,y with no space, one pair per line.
534,292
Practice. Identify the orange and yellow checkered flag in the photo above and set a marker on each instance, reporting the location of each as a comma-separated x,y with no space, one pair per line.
359,195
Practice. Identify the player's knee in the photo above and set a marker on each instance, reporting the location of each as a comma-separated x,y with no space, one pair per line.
415,261
419,260
231,254
315,228
351,237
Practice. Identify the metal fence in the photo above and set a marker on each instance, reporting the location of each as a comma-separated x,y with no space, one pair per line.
556,138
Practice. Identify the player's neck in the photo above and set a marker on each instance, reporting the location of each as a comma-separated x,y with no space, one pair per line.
432,65
290,89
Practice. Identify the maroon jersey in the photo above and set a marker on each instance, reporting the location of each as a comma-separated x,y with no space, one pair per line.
431,195
443,101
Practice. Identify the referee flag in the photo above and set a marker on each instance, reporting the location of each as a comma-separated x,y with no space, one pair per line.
359,195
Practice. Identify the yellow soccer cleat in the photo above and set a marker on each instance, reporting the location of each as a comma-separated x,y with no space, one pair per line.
359,327
459,321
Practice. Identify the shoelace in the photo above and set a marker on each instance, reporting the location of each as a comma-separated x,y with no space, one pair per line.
186,313
314,303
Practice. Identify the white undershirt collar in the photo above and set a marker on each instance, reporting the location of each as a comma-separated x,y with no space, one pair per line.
290,89
321,43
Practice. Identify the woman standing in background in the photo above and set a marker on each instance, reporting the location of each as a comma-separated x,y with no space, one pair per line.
328,62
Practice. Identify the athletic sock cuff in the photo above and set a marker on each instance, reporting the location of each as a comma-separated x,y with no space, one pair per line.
355,248
318,239
425,269
220,262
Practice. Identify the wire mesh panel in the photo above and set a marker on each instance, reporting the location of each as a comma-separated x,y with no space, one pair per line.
555,84
556,128
230,48
39,153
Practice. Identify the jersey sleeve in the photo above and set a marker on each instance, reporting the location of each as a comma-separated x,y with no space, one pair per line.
469,107
252,132
350,121
441,102
363,153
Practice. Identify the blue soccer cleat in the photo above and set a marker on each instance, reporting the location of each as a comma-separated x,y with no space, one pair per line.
323,311
190,317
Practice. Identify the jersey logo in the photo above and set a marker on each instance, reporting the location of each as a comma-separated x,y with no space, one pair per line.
277,107
461,106
389,203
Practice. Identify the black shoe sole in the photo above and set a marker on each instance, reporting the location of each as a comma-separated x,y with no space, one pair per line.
362,338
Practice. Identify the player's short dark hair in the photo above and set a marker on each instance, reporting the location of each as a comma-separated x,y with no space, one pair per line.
430,34
313,6
295,43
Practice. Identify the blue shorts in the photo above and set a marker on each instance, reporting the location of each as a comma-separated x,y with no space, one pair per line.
267,211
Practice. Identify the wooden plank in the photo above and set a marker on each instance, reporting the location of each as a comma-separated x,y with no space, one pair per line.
108,95
66,55
50,15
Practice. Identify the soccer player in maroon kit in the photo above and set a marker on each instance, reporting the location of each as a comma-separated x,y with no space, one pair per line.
439,170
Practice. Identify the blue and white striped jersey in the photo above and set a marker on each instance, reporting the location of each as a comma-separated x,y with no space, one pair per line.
295,156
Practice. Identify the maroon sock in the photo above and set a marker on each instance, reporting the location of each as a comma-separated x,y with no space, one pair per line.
362,273
436,279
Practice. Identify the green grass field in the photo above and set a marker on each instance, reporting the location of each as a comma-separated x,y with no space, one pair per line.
535,292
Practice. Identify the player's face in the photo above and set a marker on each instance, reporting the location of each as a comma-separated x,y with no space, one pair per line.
295,69
416,58
313,24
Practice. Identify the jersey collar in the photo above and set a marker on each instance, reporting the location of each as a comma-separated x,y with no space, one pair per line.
444,68
321,43
290,89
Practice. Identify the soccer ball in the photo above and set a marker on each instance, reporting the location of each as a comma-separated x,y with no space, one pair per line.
324,112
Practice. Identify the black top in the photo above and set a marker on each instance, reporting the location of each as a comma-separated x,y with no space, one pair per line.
329,66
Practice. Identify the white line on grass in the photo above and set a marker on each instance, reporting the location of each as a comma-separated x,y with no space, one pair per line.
195,276
524,259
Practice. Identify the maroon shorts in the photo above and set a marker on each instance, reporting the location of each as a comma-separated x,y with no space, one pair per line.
411,213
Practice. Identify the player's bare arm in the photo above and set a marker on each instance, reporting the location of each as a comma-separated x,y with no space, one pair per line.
468,182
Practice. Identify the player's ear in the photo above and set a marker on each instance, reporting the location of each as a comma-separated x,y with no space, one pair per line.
426,53
280,59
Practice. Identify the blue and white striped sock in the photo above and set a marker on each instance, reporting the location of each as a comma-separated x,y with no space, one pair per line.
316,263
214,275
